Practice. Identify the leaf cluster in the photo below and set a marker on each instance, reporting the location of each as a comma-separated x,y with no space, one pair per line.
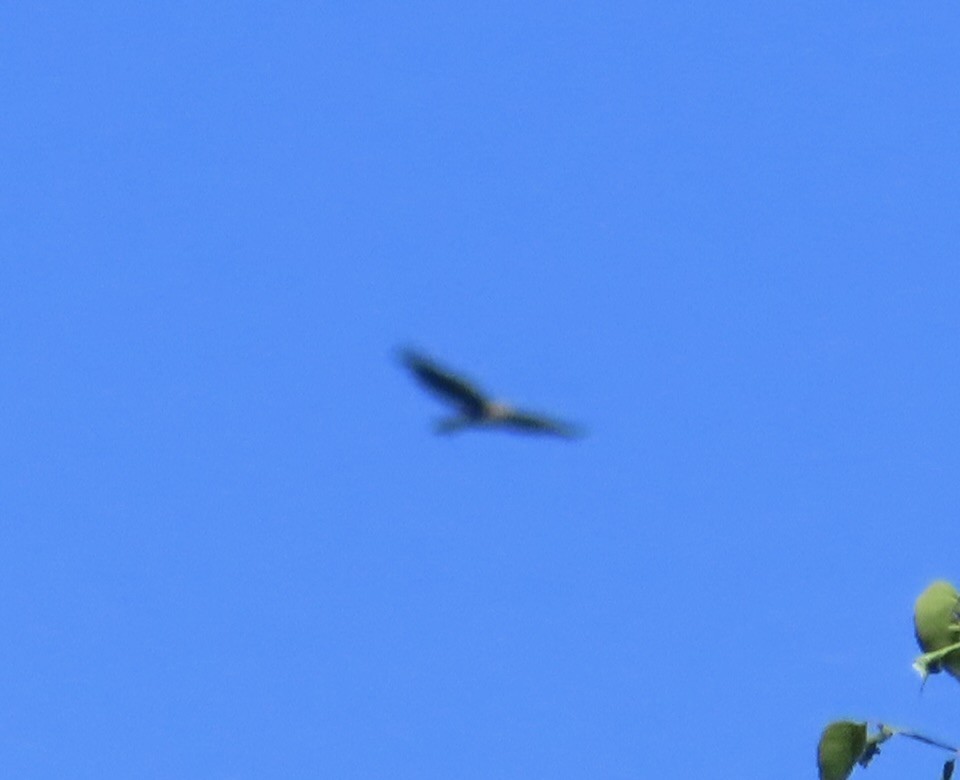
936,620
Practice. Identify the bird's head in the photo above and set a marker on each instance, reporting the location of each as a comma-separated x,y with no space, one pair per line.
497,410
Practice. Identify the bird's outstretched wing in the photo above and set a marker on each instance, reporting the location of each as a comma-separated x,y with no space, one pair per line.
536,423
449,386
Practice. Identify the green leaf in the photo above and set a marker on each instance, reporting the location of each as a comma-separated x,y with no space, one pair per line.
841,746
937,628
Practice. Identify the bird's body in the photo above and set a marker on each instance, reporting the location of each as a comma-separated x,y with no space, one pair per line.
476,409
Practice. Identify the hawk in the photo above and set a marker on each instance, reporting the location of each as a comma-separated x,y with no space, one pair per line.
476,409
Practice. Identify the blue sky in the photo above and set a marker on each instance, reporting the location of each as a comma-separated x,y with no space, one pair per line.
724,239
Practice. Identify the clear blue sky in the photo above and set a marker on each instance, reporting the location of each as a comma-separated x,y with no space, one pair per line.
723,238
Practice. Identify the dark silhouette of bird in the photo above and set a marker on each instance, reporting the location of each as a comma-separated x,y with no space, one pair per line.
475,408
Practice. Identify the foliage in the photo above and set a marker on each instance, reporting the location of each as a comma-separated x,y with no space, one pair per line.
842,745
936,619
937,627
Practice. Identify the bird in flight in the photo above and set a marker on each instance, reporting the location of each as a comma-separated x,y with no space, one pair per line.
475,408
